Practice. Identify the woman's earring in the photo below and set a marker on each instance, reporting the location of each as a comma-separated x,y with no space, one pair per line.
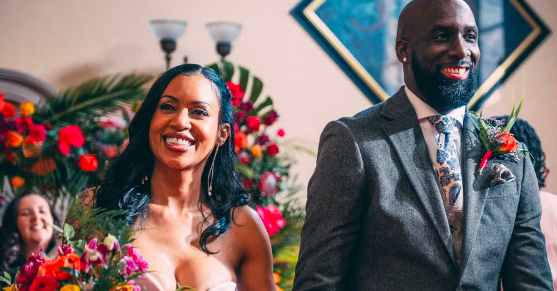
211,173
404,59
145,179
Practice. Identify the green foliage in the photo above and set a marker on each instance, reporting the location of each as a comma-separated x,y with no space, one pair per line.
91,99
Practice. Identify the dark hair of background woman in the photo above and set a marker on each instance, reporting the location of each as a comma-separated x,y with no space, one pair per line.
123,187
11,242
524,132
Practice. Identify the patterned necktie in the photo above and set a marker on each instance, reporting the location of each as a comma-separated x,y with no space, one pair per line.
448,165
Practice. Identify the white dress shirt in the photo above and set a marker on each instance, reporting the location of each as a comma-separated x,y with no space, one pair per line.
423,111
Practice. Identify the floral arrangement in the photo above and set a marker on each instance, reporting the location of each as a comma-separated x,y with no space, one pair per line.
63,145
496,137
108,265
265,159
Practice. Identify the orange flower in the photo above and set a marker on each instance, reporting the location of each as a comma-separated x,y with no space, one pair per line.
17,181
70,288
8,111
14,139
509,143
122,288
257,151
31,148
276,277
26,108
241,141
51,267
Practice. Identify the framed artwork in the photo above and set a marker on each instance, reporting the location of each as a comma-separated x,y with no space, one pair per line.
359,35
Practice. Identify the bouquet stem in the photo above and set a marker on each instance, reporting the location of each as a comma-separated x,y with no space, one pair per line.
483,163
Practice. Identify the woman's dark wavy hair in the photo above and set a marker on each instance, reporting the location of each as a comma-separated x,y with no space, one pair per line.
524,132
123,188
11,242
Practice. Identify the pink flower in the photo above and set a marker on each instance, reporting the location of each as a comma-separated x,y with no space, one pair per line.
94,255
112,122
37,133
28,273
235,90
281,132
269,184
244,158
65,250
44,283
111,151
133,262
253,123
272,218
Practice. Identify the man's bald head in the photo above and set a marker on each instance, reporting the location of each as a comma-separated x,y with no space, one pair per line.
415,13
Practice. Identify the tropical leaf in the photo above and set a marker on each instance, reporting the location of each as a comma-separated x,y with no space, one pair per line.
256,89
91,99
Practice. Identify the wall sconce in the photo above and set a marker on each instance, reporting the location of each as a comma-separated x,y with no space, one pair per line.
168,31
224,33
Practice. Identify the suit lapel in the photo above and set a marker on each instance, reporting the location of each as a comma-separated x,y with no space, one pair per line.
474,195
406,135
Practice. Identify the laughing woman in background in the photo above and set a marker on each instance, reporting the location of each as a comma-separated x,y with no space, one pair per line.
24,231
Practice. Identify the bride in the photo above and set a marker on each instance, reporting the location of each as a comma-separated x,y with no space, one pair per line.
177,183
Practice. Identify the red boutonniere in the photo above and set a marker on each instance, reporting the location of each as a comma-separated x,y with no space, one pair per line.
496,138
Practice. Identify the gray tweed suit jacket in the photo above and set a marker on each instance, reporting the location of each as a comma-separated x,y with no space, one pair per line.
375,217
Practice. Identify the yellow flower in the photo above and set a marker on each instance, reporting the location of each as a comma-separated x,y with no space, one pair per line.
14,139
26,108
70,288
122,288
257,151
17,181
11,288
278,288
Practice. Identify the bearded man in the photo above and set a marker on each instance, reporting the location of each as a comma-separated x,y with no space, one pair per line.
395,204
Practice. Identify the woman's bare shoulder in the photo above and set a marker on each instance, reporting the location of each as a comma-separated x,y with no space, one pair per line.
247,225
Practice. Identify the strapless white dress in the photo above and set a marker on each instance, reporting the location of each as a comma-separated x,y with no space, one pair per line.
152,284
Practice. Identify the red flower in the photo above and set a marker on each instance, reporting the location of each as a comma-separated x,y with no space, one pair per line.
8,111
237,94
272,150
253,123
44,283
28,273
51,268
269,184
263,139
281,132
37,133
271,118
70,136
23,124
88,163
509,143
111,151
247,183
272,218
43,166
239,116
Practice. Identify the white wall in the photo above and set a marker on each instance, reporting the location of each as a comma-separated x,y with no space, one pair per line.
66,42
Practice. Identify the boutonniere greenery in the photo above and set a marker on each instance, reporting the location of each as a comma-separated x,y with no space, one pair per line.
496,137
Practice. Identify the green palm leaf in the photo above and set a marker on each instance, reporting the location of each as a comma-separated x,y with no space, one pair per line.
91,98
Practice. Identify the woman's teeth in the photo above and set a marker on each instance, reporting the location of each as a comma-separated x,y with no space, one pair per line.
177,141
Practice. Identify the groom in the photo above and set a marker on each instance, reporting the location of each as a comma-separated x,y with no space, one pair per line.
394,203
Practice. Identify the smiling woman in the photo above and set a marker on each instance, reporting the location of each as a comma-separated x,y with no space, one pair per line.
177,183
23,231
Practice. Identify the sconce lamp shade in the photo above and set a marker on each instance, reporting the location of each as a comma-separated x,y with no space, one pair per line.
224,32
168,28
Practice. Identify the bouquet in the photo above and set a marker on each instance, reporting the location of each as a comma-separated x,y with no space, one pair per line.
111,264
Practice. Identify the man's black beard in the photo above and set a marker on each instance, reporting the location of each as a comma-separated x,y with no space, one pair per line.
443,93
